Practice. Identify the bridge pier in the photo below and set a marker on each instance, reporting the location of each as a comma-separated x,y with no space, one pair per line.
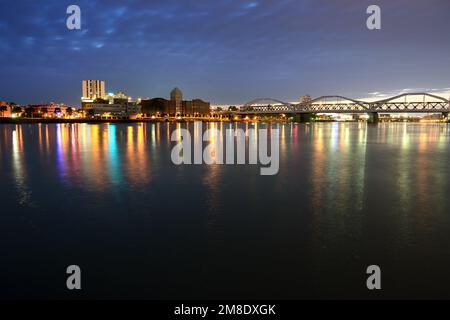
445,116
304,117
374,117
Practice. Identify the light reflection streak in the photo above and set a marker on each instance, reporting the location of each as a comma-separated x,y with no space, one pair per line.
337,178
18,166
60,150
212,180
113,156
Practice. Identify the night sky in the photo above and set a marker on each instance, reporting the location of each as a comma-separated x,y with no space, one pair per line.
225,51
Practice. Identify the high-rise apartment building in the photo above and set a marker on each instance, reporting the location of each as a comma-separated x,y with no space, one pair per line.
176,97
93,89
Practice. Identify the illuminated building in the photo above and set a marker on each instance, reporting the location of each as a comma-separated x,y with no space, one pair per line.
49,110
93,89
5,110
117,106
118,98
305,99
105,110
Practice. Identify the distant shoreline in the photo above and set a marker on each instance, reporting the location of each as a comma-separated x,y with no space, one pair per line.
94,121
172,120
49,121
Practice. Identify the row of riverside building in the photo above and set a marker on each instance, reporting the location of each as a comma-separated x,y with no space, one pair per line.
97,104
47,110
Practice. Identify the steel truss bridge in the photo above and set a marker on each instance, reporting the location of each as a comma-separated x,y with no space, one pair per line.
405,103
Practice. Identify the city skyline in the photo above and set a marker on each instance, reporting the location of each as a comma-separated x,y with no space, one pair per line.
370,97
225,51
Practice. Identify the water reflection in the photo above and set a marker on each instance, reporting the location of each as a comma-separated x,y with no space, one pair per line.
212,178
345,194
338,164
337,158
19,168
422,176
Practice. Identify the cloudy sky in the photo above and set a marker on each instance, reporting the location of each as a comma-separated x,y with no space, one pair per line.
225,51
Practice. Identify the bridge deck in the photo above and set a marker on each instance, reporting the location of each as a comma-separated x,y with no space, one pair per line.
337,111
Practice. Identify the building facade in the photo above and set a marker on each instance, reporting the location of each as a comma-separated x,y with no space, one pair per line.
93,89
105,110
305,99
129,110
176,98
118,98
49,110
176,106
5,110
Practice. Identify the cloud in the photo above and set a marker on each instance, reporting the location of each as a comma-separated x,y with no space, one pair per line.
224,50
251,5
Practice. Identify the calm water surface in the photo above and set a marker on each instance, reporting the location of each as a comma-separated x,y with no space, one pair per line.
108,198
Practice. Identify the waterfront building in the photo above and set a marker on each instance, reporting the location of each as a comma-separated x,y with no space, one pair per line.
134,109
155,106
176,98
175,106
105,110
119,109
118,98
48,110
92,90
5,110
305,99
196,106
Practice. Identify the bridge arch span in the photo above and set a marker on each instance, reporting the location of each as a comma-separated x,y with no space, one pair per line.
338,100
424,95
408,102
269,100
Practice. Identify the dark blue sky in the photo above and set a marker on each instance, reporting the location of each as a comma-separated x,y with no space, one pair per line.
225,51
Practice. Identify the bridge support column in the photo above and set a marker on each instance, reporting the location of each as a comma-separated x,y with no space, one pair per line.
374,117
445,116
304,117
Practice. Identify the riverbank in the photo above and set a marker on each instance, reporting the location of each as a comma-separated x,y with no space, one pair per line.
48,121
177,120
